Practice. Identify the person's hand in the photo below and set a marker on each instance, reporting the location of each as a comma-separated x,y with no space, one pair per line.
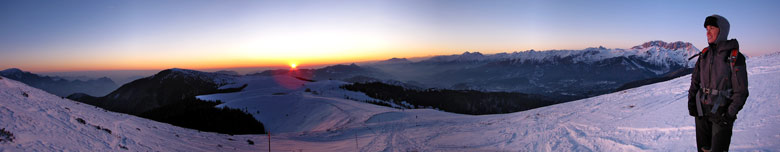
725,119
692,106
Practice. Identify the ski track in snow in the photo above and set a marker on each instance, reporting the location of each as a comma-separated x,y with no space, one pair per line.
648,118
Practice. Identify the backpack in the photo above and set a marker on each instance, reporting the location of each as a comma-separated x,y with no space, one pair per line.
732,57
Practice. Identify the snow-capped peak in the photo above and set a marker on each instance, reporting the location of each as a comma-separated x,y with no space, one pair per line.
658,53
663,53
658,43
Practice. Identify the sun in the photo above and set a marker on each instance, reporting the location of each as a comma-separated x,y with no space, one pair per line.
293,65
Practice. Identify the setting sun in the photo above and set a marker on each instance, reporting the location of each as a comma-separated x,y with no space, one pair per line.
293,65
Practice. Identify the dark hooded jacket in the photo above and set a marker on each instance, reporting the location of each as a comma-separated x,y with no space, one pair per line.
713,70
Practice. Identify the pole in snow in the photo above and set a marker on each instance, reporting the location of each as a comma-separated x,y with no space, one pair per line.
356,143
269,140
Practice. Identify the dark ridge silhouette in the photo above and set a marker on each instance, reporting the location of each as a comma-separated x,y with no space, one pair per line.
456,101
666,77
202,115
169,96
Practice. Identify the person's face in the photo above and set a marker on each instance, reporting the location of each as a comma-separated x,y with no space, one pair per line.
712,33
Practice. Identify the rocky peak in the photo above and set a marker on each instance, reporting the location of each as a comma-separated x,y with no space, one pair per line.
665,45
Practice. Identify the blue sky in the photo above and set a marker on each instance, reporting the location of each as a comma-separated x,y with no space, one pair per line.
111,35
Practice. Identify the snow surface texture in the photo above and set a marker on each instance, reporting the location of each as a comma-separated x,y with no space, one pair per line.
41,121
648,118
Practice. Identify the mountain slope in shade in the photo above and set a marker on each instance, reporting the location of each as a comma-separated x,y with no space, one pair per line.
668,76
161,89
60,86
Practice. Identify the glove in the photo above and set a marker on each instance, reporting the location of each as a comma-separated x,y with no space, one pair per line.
725,119
692,110
692,105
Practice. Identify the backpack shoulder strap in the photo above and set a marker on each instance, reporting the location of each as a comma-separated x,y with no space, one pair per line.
733,59
703,51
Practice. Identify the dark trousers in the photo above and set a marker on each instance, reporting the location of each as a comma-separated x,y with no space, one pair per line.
714,136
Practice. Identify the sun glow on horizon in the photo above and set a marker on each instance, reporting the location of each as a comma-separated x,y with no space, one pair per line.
293,65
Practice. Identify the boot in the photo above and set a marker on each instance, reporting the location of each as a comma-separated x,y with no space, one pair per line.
705,149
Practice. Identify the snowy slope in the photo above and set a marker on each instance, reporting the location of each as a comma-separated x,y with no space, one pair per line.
649,118
45,122
284,109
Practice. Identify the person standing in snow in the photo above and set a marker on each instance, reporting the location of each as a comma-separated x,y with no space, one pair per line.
719,87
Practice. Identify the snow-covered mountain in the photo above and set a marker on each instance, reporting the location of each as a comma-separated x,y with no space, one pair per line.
573,74
656,52
660,52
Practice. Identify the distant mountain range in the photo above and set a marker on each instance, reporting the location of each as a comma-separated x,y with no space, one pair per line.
563,74
335,72
61,86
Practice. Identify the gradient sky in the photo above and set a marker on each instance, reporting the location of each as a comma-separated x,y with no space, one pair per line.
45,36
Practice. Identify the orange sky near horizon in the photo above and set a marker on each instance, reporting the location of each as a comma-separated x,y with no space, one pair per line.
205,62
237,59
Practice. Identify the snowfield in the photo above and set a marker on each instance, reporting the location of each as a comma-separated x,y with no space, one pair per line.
45,122
648,118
